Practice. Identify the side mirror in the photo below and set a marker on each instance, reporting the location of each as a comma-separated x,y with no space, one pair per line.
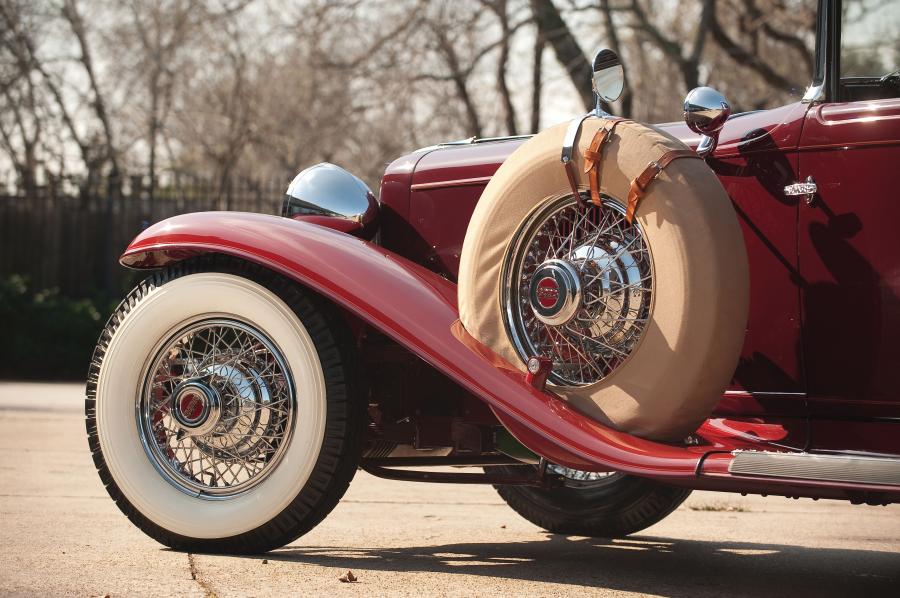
705,112
608,77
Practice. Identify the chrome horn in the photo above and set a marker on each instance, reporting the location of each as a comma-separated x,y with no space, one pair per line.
705,112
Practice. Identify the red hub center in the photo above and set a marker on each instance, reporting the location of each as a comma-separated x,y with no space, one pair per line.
191,406
547,292
196,407
555,292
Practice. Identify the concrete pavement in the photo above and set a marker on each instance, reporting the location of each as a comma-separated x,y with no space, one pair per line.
61,534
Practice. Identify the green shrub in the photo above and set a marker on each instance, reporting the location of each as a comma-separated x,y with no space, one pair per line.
48,336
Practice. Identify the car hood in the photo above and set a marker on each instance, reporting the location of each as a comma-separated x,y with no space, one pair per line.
478,159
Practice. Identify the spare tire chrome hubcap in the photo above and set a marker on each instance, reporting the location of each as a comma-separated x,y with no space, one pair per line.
555,292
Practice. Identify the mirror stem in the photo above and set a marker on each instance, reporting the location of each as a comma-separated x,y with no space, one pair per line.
599,112
707,145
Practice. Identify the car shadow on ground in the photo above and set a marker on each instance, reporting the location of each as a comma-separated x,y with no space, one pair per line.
661,566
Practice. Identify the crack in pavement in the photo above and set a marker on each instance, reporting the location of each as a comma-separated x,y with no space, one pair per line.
195,575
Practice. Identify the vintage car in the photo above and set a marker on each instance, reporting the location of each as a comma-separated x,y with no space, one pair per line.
598,319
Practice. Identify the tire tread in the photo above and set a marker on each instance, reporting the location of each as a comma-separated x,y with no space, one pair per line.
345,414
627,505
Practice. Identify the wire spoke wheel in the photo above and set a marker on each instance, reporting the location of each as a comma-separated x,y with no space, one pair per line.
578,287
576,478
217,408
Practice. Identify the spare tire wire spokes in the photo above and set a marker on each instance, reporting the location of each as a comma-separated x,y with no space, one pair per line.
578,284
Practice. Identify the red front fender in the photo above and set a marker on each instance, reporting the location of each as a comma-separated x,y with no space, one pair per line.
417,308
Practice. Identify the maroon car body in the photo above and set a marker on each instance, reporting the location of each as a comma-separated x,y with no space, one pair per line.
822,333
818,373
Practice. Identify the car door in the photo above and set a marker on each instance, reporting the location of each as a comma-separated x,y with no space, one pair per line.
849,230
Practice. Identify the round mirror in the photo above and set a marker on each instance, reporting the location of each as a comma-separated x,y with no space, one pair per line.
609,76
706,110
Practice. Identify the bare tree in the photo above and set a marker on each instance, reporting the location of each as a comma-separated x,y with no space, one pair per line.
72,14
458,74
686,57
500,9
220,115
231,88
749,57
552,28
46,89
537,80
612,34
22,137
22,128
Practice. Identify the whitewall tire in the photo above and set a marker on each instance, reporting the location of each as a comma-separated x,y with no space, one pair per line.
245,462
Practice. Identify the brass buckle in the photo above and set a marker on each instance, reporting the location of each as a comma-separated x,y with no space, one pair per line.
657,167
607,137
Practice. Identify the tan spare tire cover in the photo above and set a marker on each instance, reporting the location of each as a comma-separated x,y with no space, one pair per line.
689,349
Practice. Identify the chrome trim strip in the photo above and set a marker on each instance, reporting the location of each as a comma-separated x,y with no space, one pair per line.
451,183
747,393
473,140
847,469
848,146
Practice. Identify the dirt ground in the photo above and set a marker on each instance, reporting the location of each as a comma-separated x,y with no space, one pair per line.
62,535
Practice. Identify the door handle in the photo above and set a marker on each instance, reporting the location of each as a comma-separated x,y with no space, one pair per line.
807,189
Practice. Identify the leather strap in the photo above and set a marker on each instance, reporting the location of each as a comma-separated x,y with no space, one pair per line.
594,154
643,180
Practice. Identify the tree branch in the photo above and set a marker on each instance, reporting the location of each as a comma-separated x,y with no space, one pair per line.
553,29
744,57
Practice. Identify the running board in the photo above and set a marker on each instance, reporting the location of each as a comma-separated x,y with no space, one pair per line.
827,468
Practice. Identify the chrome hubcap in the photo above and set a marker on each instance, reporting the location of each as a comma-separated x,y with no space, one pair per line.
196,408
555,292
578,289
217,409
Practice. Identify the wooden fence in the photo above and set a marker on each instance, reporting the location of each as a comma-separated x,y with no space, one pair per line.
72,241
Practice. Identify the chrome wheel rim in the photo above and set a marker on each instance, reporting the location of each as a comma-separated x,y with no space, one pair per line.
217,408
575,478
578,288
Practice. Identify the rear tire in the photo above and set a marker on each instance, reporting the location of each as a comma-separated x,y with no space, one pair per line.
607,508
320,446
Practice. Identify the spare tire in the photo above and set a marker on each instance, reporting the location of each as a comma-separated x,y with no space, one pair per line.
644,321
